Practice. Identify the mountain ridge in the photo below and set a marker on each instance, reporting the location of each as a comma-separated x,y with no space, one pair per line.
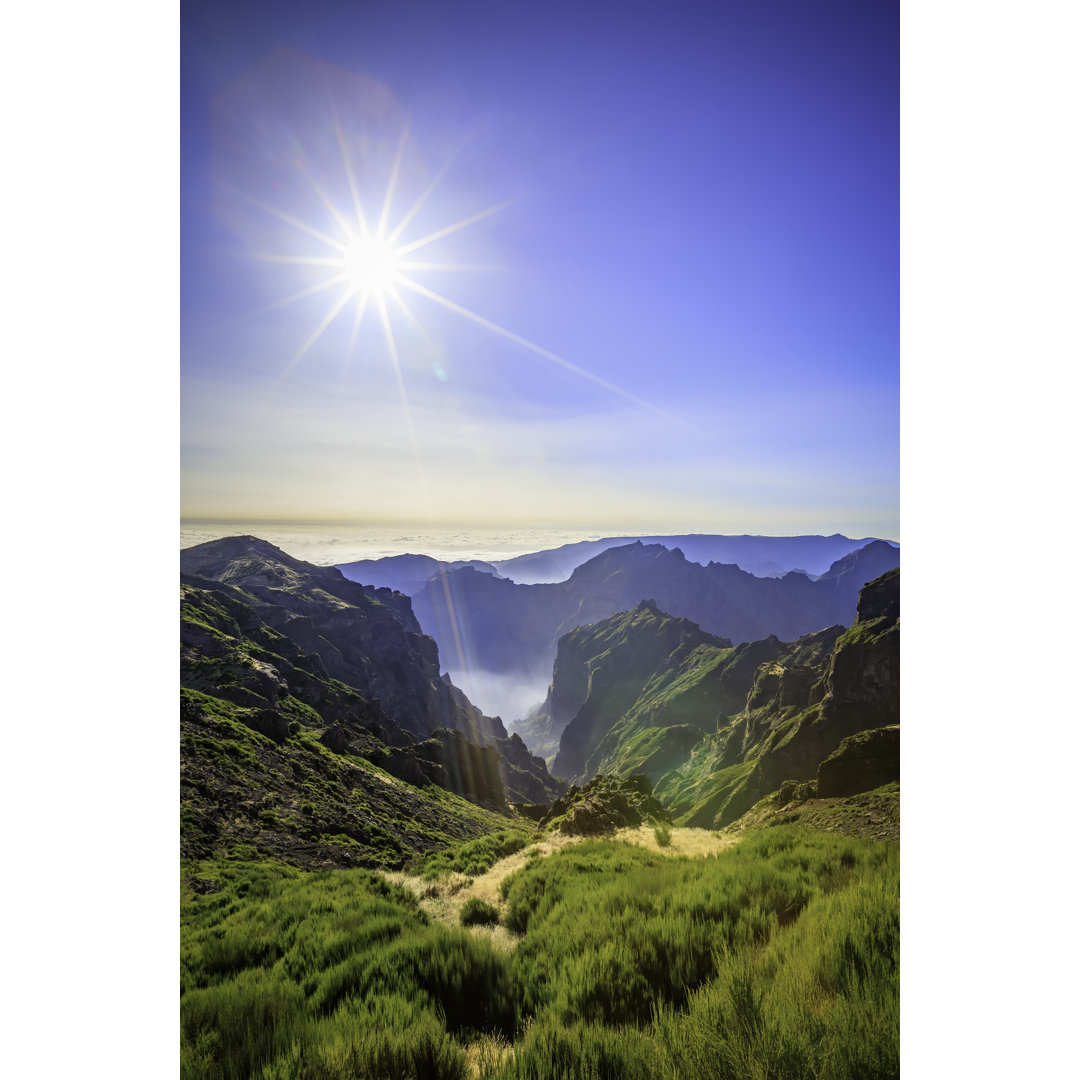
716,727
298,683
497,626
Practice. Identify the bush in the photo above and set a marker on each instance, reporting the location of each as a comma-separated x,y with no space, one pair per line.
475,857
477,912
663,835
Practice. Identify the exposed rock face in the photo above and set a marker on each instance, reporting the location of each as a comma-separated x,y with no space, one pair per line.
493,625
861,690
861,762
525,776
605,804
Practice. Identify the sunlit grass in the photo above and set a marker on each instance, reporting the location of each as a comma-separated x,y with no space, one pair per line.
777,958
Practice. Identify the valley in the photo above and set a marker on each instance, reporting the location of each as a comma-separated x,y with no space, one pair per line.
683,862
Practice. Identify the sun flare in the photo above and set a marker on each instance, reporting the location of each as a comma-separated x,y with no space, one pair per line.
372,265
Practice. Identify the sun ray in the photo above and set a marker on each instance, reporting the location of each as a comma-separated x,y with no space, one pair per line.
301,260
548,355
357,206
309,291
361,307
325,200
480,267
407,312
392,346
295,223
317,333
411,213
380,229
373,267
432,237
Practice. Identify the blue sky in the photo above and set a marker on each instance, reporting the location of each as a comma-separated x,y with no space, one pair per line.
704,215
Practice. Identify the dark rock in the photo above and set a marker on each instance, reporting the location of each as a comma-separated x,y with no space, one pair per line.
862,762
203,886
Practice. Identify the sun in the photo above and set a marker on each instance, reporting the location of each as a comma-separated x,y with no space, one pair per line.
372,265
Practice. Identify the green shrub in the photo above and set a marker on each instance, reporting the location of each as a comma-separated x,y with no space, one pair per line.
478,912
475,857
663,835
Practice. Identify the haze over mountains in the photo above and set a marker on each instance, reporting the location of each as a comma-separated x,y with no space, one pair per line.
498,638
762,556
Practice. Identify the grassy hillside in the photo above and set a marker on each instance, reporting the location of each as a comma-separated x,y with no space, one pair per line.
717,728
298,800
775,958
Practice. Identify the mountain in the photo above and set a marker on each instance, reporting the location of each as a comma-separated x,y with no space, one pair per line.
365,637
406,573
315,724
602,670
763,556
717,727
493,625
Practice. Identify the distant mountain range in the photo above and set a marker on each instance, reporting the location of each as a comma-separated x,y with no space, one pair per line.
716,727
406,573
762,556
493,626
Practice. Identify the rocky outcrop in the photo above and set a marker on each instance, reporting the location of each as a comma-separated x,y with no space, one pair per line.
605,804
861,690
861,762
525,775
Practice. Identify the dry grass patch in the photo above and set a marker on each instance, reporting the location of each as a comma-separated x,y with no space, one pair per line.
690,842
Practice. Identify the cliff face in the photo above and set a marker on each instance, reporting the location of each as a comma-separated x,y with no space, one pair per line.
607,666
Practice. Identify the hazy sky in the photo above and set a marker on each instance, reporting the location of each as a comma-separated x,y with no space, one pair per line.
703,216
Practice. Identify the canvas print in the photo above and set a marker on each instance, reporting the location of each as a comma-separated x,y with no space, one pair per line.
540,588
